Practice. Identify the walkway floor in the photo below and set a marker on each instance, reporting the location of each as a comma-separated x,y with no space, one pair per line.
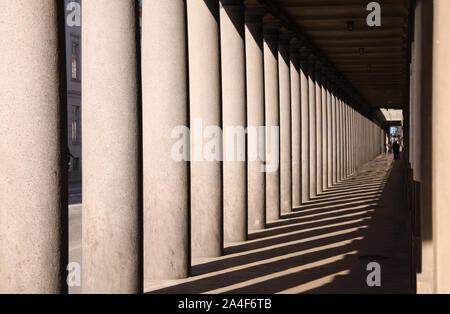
322,247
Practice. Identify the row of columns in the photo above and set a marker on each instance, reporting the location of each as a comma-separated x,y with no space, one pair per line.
219,64
430,144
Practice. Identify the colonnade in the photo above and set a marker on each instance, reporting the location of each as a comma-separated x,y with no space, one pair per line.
430,145
217,63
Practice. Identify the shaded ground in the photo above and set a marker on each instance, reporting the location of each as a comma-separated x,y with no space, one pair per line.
322,247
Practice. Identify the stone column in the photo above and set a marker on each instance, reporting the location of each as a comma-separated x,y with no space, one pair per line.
381,140
205,112
296,124
312,128
111,194
256,186
357,140
371,139
33,158
348,140
338,139
329,136
367,141
360,140
319,139
380,137
344,140
377,143
304,91
424,32
272,119
234,120
354,139
350,147
334,134
366,144
375,139
324,132
363,140
285,122
165,116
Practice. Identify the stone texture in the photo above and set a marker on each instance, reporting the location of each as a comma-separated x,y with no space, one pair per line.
33,230
256,185
304,91
296,128
272,120
285,127
312,132
111,210
441,146
165,107
234,117
205,104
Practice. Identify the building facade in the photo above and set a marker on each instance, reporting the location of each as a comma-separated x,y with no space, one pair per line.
73,64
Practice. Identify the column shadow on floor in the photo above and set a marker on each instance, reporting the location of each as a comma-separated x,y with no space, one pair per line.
321,247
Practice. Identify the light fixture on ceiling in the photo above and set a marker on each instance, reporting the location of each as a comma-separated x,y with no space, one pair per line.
362,51
350,26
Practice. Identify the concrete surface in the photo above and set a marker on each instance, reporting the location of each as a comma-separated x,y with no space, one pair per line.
323,246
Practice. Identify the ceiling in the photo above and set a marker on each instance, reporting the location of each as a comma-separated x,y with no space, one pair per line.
375,60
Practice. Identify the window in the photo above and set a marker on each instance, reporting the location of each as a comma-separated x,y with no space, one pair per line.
75,63
75,164
75,125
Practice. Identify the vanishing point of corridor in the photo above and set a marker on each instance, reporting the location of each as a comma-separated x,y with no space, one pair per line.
323,246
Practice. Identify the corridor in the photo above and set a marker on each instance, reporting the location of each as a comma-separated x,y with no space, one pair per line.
224,146
322,247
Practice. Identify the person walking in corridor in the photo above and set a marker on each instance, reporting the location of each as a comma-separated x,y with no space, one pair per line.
396,148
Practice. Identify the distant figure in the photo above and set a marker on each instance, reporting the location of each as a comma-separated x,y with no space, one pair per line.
69,156
396,148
